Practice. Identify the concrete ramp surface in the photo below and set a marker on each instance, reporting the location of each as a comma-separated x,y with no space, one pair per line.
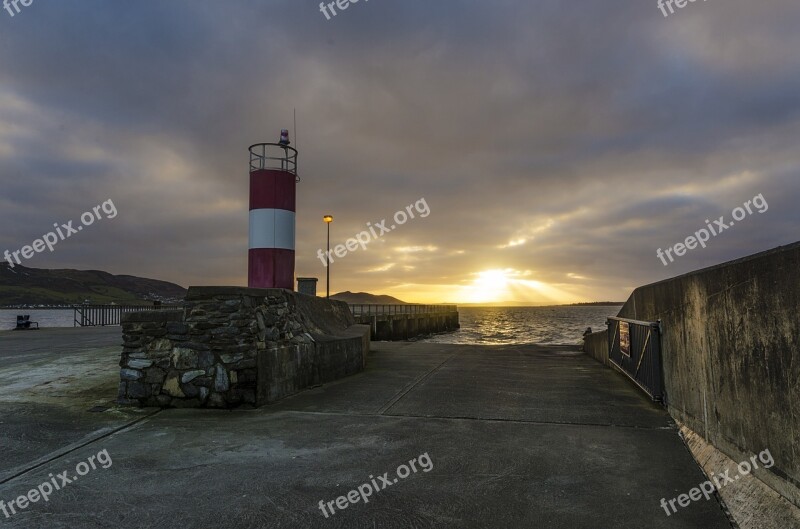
499,437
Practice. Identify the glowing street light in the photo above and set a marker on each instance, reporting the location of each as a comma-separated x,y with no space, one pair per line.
328,219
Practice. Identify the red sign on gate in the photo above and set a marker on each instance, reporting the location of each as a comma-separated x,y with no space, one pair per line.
625,338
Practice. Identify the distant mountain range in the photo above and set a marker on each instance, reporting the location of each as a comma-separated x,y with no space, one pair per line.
365,298
35,286
21,285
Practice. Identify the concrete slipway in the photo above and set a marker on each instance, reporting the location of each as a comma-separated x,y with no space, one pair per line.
519,436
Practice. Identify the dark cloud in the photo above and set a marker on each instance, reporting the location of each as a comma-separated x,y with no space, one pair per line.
564,142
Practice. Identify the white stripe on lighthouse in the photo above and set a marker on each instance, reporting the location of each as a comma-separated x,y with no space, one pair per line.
272,228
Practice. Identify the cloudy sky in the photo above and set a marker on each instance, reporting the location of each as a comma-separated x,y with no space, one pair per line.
557,144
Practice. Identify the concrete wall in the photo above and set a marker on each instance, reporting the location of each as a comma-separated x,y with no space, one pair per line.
234,346
596,346
731,353
397,327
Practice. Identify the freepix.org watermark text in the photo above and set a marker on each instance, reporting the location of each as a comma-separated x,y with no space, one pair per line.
364,491
329,8
62,232
55,483
375,231
663,5
703,235
707,488
12,6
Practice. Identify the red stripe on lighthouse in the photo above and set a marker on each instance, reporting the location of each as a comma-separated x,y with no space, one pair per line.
273,195
271,189
271,268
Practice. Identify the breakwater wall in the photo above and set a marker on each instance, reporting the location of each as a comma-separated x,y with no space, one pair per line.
596,346
237,346
731,356
404,322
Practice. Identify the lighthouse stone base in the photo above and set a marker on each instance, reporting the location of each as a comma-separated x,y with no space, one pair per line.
233,346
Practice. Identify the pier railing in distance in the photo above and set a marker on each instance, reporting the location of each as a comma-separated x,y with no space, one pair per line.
102,315
380,310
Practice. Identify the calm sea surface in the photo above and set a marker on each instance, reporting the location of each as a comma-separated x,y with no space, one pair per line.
519,325
490,325
45,317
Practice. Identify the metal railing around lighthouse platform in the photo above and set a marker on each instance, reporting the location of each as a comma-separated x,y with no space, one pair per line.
273,156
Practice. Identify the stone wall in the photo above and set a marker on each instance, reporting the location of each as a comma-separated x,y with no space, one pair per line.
237,346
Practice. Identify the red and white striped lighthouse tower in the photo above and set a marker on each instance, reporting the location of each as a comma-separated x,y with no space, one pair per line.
273,192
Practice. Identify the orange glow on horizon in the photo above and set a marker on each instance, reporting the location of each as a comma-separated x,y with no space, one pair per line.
491,286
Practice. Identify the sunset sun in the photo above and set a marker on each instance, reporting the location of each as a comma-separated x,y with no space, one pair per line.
492,279
489,286
498,285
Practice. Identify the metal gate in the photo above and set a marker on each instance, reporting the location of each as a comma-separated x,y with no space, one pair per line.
635,348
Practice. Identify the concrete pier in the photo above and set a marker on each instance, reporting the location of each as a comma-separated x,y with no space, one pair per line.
397,327
522,436
730,362
731,357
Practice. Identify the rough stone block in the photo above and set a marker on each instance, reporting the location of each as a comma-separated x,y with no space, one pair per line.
232,358
137,363
184,358
191,375
177,328
190,391
172,387
137,390
205,359
203,381
159,345
197,345
130,374
221,380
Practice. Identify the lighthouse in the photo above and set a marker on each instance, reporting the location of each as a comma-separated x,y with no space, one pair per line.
273,193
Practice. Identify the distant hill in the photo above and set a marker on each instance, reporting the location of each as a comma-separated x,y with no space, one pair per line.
365,298
35,286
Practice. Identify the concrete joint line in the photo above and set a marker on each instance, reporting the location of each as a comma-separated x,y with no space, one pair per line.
414,384
75,448
672,428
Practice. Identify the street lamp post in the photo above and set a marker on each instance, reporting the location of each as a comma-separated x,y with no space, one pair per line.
328,219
